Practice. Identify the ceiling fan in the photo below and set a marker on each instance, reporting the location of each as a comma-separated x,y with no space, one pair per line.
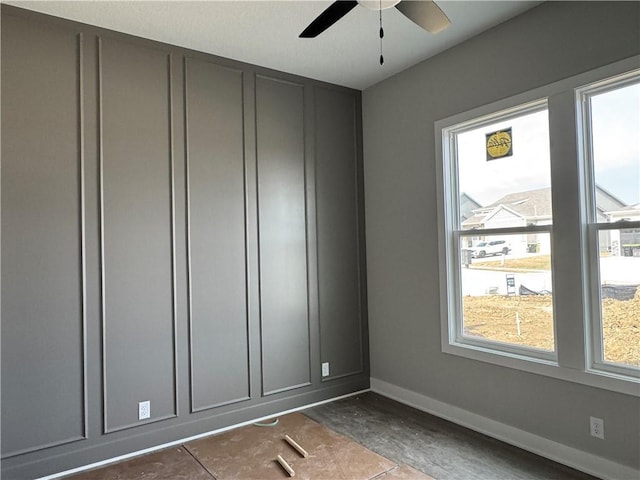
424,13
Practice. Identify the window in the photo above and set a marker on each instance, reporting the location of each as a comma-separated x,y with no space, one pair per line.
610,127
539,228
503,230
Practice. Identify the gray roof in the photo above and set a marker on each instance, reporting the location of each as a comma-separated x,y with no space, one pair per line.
467,206
606,202
532,203
537,203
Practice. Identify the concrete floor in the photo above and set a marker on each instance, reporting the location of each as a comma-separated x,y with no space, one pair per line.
410,445
439,448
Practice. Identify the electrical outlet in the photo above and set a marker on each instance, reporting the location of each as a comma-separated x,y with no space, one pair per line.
597,427
144,410
325,369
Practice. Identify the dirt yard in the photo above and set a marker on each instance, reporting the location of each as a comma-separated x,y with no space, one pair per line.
494,317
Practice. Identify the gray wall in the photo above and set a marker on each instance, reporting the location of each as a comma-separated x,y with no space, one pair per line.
550,42
177,228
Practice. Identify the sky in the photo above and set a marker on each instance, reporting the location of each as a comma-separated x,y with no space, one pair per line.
527,169
616,147
616,142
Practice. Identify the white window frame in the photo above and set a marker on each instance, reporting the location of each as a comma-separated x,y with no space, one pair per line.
572,360
596,359
456,326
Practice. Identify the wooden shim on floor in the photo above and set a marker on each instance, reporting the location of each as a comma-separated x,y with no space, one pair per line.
295,445
287,468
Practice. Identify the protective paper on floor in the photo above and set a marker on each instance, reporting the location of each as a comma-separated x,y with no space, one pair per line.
172,463
250,453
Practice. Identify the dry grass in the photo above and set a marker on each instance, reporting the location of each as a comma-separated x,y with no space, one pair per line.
621,325
538,262
494,318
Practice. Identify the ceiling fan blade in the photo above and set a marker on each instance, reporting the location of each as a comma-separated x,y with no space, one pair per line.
424,13
331,15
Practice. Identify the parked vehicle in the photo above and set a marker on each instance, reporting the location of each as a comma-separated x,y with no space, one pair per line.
494,247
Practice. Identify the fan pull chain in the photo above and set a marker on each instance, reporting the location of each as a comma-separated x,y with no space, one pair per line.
381,35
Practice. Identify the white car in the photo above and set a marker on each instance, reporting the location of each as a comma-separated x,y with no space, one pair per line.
494,247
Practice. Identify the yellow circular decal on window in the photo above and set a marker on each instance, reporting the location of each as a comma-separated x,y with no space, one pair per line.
499,144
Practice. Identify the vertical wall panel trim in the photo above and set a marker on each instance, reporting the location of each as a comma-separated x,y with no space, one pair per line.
174,293
251,233
360,226
311,225
246,232
187,175
193,408
105,428
258,229
83,229
308,162
103,305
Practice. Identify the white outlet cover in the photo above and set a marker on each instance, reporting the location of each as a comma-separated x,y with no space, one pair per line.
325,369
597,427
144,410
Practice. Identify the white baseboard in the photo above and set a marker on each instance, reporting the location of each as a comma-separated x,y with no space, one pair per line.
572,457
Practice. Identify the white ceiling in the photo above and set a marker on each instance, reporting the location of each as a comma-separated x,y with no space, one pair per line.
266,32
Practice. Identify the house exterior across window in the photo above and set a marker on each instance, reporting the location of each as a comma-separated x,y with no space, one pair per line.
533,207
521,209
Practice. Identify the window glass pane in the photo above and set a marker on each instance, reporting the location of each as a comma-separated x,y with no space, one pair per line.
505,191
615,153
620,295
615,133
507,297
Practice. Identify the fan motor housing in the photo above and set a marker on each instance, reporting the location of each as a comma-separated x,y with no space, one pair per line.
378,4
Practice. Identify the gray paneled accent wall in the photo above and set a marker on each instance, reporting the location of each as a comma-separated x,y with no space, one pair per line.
176,227
280,150
137,223
42,238
217,242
